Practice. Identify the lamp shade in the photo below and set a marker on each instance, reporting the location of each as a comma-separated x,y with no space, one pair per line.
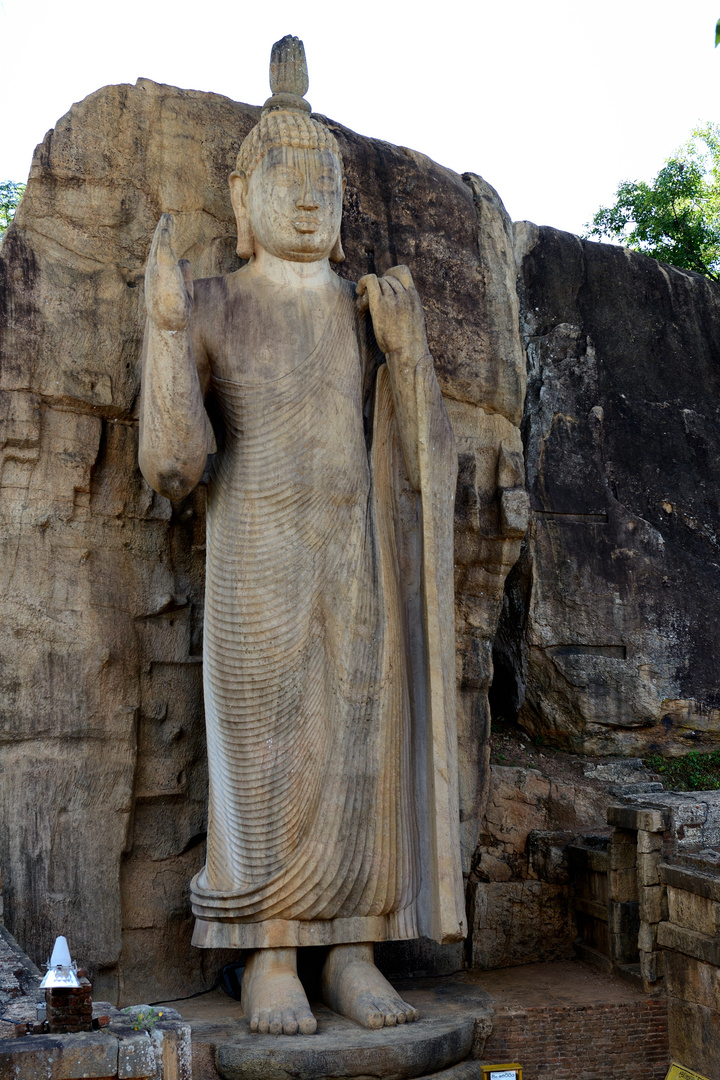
60,974
61,953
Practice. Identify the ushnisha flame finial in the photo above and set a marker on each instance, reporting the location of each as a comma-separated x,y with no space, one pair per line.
286,119
288,76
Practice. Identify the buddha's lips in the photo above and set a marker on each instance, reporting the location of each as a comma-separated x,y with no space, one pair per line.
306,224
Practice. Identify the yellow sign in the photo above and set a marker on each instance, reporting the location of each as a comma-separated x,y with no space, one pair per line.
508,1072
679,1072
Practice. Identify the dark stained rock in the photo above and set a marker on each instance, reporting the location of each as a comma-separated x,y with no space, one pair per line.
610,634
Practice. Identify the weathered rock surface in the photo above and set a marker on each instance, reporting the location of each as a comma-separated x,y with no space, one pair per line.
19,977
609,637
103,776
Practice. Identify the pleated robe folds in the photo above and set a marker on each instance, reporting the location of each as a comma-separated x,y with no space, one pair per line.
329,664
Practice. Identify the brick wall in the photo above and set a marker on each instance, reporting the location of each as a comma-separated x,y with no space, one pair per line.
583,1042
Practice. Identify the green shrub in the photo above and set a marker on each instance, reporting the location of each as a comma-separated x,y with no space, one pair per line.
693,772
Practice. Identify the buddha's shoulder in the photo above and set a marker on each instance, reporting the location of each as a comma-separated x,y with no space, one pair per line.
209,287
212,296
211,292
347,287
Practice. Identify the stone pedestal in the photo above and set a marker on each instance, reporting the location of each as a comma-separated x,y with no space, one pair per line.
450,1018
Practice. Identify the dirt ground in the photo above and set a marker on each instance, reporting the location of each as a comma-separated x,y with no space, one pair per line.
510,745
563,982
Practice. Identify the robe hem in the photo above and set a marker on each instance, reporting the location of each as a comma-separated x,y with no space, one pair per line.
288,933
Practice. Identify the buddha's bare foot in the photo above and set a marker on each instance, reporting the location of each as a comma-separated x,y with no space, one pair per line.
353,986
272,995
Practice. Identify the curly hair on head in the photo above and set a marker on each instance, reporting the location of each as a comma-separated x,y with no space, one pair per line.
283,127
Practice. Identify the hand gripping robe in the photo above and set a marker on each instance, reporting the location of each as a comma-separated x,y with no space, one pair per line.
329,658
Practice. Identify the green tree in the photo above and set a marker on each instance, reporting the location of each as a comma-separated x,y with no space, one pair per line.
10,196
676,217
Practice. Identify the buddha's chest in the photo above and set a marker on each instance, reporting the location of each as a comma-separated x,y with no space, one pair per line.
264,338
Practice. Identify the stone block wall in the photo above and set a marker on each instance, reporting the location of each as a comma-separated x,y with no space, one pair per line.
617,899
520,897
620,898
134,1044
584,1042
637,898
119,1052
689,940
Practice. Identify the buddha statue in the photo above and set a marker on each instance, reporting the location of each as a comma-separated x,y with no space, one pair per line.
329,662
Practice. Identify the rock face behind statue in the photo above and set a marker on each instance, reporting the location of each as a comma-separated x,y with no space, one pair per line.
610,633
104,777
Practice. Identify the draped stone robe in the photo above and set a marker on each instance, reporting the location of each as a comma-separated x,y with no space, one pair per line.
329,656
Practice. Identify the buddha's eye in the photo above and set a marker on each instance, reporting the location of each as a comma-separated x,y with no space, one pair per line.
284,176
327,181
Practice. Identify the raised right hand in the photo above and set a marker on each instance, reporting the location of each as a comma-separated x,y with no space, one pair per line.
168,283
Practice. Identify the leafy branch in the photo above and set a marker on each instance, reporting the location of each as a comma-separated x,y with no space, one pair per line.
10,195
676,217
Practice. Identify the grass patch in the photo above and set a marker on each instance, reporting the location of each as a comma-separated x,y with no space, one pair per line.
692,772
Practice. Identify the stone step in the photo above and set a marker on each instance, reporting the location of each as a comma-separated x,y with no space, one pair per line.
598,960
649,787
630,973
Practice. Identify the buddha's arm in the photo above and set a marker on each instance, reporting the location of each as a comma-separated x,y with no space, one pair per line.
399,326
173,438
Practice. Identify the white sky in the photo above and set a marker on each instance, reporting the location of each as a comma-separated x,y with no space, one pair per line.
554,102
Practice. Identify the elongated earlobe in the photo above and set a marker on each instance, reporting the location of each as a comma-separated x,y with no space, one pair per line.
245,241
337,255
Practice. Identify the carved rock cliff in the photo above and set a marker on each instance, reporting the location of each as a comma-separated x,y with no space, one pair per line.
103,777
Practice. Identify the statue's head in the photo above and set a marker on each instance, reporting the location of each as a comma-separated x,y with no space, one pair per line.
288,185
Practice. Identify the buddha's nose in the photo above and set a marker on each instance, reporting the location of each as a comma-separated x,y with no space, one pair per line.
308,199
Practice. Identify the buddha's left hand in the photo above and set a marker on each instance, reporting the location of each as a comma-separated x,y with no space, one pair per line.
396,312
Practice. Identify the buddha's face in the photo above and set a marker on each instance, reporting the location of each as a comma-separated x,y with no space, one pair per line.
294,201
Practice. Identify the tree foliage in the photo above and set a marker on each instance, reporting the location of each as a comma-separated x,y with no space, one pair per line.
10,196
676,217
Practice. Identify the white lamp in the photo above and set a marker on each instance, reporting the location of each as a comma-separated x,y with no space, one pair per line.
61,969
